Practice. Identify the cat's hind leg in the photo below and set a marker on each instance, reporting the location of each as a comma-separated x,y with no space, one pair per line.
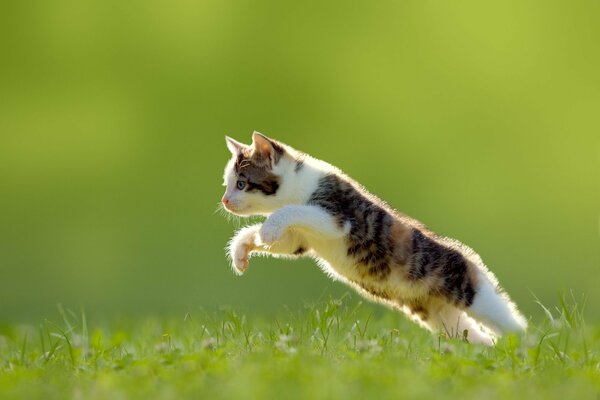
455,323
494,308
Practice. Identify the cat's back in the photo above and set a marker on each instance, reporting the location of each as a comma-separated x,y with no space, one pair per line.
379,238
384,243
350,201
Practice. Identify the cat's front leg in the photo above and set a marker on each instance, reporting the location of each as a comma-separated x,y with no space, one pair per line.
273,228
308,219
247,242
240,246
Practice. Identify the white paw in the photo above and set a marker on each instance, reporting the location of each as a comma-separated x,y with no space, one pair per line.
240,247
271,231
240,256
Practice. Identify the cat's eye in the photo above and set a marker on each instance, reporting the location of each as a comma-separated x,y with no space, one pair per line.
241,185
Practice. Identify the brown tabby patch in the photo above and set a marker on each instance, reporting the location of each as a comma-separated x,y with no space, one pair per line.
257,173
419,309
431,259
379,240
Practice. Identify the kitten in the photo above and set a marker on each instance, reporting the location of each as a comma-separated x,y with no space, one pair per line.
314,210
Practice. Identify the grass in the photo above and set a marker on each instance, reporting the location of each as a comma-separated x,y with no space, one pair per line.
335,349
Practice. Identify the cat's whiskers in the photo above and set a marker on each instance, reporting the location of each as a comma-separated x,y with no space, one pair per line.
236,219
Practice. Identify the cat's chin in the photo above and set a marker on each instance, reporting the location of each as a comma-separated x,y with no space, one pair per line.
240,212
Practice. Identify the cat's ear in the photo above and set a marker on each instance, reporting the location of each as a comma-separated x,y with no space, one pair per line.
266,148
234,146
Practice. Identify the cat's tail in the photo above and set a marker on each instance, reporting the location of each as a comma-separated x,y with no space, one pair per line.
492,306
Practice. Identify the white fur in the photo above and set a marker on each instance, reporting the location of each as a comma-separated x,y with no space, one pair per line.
247,242
311,220
240,246
455,323
492,307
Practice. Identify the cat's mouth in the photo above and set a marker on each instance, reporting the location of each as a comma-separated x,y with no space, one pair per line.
237,210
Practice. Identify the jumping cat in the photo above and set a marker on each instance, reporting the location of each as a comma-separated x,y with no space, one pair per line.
313,209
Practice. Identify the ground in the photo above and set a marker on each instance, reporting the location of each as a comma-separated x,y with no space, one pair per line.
335,349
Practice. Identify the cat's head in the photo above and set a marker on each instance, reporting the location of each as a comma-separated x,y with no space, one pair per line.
255,176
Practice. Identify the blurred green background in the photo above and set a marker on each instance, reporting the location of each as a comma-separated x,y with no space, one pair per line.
480,119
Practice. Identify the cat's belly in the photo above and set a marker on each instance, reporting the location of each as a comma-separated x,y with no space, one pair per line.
332,257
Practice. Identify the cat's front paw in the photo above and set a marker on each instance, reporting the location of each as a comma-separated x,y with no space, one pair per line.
240,247
271,231
240,257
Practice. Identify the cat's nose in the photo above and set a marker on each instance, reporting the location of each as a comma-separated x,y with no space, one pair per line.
225,201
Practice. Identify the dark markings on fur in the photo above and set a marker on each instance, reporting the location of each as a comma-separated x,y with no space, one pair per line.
279,150
257,173
268,186
369,241
299,165
299,251
430,258
418,309
372,247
